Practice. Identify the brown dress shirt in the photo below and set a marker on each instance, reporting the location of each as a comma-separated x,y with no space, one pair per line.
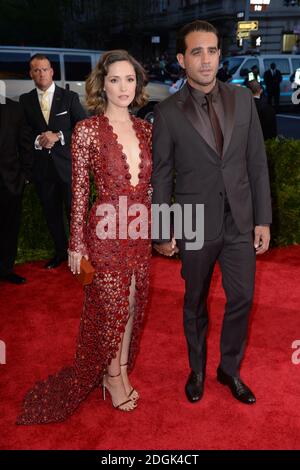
199,98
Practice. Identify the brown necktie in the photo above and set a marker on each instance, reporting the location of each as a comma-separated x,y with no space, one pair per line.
215,124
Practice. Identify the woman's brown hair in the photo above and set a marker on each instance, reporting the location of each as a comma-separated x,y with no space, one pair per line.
96,99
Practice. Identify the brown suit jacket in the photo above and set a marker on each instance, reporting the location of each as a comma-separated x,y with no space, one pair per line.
201,176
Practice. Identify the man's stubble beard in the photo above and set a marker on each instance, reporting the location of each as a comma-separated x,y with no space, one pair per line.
200,83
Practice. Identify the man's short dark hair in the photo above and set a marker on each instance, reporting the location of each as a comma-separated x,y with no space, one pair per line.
197,25
39,57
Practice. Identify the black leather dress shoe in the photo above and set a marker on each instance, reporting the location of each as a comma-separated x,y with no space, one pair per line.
194,387
55,262
13,278
239,390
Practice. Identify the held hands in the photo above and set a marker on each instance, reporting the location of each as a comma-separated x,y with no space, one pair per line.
74,259
261,239
166,249
48,139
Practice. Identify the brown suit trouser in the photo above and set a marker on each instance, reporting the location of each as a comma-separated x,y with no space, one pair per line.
236,255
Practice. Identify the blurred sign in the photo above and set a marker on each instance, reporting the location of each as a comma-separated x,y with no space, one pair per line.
243,34
255,8
247,26
259,5
240,14
155,39
258,41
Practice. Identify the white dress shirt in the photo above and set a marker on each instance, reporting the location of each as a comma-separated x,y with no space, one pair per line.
50,91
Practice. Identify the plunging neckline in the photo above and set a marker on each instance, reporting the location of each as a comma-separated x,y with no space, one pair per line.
116,137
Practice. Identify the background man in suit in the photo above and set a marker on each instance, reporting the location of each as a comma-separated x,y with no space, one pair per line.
210,134
266,112
273,78
52,113
223,74
15,169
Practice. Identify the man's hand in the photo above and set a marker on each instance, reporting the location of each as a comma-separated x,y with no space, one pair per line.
48,139
167,249
261,239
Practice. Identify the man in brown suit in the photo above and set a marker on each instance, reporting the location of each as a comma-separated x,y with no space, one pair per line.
210,134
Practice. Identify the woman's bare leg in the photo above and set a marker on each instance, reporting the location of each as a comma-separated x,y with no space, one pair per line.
114,383
127,339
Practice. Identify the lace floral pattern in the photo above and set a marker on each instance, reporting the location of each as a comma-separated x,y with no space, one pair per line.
95,149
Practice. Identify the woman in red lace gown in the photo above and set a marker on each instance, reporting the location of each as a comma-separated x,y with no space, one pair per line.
115,147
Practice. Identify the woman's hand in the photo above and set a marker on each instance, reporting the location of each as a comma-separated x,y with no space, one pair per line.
167,249
74,259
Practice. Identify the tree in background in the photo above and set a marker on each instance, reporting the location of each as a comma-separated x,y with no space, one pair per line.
101,24
32,22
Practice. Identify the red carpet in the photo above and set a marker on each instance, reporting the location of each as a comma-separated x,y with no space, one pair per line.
39,323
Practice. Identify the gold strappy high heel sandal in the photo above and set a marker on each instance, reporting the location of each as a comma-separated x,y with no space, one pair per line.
131,405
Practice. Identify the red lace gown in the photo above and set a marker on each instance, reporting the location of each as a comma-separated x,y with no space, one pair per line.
95,149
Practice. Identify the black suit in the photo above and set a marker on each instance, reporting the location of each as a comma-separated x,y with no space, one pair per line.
202,177
15,168
267,117
272,82
52,169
